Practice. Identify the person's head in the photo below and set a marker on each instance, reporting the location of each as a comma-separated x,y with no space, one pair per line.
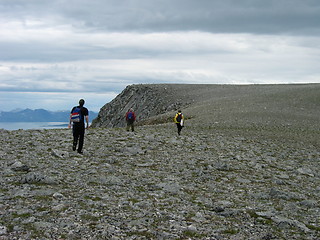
131,110
81,102
179,111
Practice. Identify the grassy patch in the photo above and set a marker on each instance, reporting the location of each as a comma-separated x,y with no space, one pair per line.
89,218
93,198
141,234
23,215
43,198
314,228
133,200
189,234
230,231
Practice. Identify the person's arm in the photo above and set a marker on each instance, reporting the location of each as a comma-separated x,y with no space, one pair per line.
69,125
87,120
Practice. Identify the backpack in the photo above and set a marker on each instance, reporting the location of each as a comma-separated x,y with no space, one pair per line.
179,117
76,115
130,116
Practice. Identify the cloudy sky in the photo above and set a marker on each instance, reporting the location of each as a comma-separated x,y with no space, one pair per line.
54,52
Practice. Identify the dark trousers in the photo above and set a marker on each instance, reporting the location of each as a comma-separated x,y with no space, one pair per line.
179,128
130,124
78,135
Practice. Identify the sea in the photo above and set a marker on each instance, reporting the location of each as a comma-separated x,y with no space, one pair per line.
32,125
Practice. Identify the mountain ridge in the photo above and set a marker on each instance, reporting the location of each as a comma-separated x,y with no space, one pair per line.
232,104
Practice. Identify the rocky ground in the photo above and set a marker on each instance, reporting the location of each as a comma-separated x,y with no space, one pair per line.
212,182
245,167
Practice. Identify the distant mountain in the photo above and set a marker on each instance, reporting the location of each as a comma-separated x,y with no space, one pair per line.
38,115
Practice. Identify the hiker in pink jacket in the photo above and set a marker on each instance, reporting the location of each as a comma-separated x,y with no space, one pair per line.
130,118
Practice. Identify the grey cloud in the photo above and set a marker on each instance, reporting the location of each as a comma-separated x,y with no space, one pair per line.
67,86
127,46
253,16
48,51
222,16
281,16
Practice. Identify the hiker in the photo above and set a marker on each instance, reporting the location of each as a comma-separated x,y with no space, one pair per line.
178,119
78,115
130,118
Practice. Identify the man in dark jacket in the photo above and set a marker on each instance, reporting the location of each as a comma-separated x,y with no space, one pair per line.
78,115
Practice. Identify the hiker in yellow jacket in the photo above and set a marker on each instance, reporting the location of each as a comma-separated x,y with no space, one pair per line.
178,119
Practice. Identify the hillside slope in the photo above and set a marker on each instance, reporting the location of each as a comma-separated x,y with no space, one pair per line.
227,106
146,100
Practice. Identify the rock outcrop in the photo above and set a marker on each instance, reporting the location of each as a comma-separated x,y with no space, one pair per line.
146,100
